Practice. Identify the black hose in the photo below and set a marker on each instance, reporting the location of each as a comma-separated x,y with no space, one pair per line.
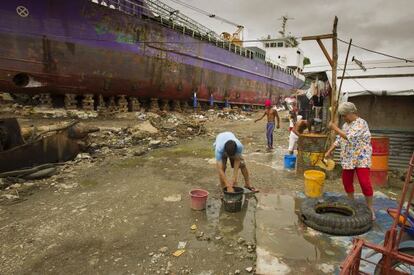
28,171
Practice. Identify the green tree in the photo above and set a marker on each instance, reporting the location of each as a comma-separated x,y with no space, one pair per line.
306,61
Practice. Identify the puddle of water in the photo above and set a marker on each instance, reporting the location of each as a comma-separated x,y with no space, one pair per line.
291,244
272,159
231,225
279,225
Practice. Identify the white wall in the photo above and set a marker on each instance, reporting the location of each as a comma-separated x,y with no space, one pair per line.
286,56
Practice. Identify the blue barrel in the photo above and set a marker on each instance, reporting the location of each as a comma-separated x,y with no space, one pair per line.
290,162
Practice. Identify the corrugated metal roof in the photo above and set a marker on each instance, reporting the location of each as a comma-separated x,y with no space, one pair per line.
401,147
346,95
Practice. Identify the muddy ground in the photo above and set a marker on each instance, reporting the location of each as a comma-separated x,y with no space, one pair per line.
126,214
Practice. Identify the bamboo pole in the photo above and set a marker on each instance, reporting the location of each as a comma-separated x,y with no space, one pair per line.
334,68
344,70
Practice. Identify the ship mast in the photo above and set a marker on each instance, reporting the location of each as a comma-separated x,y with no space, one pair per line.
284,19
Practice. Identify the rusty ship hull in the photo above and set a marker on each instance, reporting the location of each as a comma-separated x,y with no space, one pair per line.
80,47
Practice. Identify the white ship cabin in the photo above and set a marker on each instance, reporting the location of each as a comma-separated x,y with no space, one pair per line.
285,52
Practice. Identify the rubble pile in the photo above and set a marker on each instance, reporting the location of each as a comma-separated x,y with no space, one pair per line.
152,131
42,112
226,114
135,135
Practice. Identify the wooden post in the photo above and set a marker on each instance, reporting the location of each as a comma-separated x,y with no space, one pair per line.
325,52
334,71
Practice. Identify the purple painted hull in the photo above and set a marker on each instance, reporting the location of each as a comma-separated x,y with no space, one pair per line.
82,48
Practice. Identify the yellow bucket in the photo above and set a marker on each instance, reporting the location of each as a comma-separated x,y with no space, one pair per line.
314,181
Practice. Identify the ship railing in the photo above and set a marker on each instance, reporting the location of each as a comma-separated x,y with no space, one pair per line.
126,6
175,20
275,65
175,15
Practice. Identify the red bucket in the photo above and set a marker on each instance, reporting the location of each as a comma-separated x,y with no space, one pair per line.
198,199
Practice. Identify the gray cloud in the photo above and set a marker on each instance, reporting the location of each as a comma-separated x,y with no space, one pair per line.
381,25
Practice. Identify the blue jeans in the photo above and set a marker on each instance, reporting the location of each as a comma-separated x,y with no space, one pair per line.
269,133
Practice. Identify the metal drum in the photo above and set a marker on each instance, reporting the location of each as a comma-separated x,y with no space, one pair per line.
380,154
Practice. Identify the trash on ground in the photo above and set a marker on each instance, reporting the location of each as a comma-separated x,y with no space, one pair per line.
181,245
178,253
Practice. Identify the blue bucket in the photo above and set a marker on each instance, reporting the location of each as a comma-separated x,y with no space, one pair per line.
289,162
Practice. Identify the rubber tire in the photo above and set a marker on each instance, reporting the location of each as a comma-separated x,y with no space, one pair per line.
406,250
358,223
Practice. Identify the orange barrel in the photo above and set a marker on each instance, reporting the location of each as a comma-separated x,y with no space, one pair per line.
311,149
379,167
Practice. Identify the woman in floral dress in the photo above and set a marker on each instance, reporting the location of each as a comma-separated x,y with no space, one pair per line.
354,140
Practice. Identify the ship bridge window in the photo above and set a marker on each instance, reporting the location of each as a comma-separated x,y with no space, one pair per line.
280,44
267,45
273,45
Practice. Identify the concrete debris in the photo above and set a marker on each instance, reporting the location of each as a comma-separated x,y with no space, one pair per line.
10,196
241,241
145,126
154,143
140,152
43,112
169,266
326,268
199,235
68,186
155,258
249,269
81,114
140,116
163,249
15,186
83,156
173,198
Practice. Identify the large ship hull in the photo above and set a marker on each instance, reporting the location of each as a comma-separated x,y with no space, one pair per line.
79,47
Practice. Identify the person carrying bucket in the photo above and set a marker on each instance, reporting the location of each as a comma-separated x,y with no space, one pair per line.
227,146
271,114
354,139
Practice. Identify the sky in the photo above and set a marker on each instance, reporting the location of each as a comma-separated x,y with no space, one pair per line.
381,25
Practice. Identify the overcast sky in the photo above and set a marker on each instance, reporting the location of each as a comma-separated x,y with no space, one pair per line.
382,25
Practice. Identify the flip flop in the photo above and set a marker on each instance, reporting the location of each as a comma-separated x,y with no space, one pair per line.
252,189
